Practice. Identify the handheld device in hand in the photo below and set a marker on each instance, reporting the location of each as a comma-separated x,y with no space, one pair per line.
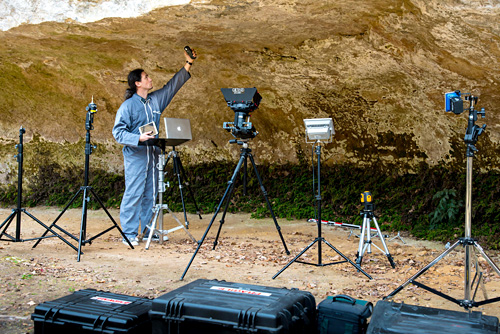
189,52
150,127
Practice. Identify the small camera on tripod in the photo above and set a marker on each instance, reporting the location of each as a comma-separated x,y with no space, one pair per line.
453,101
242,101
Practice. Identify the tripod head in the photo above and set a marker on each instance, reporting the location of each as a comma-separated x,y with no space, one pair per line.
454,103
243,142
91,110
19,155
473,131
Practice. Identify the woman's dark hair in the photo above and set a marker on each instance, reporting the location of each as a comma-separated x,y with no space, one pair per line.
133,76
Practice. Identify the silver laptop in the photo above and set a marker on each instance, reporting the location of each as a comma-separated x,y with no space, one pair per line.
177,131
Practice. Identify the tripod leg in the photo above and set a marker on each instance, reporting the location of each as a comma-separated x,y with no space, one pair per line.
47,228
368,235
479,277
389,257
223,218
359,259
245,174
398,236
168,158
243,158
490,262
295,258
152,225
359,256
226,193
487,258
181,225
60,215
365,246
188,186
346,258
264,193
83,225
115,225
177,171
7,223
422,271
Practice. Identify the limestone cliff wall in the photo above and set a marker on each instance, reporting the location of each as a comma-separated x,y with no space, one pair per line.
379,68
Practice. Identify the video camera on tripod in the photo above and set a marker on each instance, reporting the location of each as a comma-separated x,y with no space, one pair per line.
242,101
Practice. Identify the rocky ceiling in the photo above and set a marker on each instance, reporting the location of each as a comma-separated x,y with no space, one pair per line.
378,68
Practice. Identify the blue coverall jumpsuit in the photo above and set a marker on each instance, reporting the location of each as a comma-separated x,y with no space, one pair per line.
140,162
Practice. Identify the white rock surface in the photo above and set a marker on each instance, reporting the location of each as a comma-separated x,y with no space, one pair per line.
16,12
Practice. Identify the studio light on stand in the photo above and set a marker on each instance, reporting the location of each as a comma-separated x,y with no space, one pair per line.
317,131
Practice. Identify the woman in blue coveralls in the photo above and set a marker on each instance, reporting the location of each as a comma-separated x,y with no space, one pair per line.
139,108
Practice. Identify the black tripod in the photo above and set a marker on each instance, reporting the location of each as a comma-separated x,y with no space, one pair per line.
320,239
471,136
16,213
178,171
244,155
87,191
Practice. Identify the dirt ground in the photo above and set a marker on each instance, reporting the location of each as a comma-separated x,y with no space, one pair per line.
249,251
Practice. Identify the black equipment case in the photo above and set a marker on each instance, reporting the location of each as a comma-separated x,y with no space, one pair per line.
92,311
212,306
342,314
398,318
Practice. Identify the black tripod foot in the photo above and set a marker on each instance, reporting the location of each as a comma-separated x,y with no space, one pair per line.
358,259
391,261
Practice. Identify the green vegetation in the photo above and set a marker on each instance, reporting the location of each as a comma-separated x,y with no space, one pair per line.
429,203
448,209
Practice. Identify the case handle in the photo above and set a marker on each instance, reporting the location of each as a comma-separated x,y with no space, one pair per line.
344,298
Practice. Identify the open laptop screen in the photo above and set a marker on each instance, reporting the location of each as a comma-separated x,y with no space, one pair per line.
177,131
